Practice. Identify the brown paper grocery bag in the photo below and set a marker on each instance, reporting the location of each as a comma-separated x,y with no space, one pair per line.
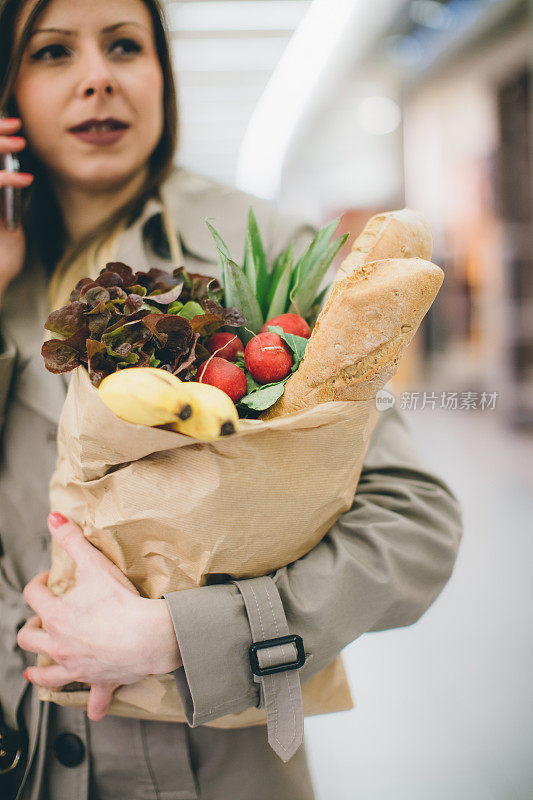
171,511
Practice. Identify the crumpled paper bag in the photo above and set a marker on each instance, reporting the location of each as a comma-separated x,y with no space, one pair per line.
173,512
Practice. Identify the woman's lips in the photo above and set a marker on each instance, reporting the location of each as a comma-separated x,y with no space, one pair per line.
100,137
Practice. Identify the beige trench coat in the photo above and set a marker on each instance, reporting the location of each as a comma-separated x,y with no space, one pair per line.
381,565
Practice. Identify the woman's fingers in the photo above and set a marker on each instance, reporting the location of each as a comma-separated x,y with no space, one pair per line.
39,597
50,677
70,537
33,638
100,700
11,144
17,179
9,125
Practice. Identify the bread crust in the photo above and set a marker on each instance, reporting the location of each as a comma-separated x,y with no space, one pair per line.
394,234
381,293
359,337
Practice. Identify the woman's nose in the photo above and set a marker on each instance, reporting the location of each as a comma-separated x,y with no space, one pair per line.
97,77
92,89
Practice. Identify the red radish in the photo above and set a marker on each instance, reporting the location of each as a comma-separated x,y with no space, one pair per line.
268,358
230,343
224,375
291,323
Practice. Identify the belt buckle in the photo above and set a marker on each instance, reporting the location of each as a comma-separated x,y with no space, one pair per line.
291,639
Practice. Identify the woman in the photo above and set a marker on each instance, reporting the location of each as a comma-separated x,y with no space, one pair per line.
89,200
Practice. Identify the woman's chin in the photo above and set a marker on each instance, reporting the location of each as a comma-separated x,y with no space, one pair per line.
101,179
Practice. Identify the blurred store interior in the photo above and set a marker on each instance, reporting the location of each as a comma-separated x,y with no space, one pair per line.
350,107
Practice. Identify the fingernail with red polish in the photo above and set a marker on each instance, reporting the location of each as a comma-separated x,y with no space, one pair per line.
26,675
56,519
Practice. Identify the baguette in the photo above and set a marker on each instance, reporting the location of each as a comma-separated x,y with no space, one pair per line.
361,334
380,294
393,234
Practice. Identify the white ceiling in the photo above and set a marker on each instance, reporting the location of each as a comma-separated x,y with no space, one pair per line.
224,52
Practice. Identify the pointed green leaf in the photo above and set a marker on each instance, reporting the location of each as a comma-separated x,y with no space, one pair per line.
304,296
239,294
316,308
265,396
296,343
275,263
255,263
280,285
314,251
278,268
248,265
222,250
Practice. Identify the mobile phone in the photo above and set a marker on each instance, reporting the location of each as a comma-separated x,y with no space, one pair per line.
10,196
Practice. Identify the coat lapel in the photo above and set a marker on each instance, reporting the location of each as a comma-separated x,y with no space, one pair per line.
23,316
191,199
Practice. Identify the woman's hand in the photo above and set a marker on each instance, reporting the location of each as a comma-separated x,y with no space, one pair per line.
102,632
12,243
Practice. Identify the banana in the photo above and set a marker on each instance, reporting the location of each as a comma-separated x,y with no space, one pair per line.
151,396
213,412
145,396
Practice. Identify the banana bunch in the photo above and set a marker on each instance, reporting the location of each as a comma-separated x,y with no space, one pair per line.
151,396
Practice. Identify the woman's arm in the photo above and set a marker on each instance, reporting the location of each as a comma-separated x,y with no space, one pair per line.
380,566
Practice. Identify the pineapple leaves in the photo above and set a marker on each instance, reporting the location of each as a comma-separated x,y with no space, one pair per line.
239,294
280,281
312,270
262,292
316,308
314,251
255,263
222,250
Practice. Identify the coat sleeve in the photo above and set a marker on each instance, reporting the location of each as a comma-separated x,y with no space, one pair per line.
380,566
8,356
13,609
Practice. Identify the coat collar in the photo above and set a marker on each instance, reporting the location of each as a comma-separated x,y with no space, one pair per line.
190,199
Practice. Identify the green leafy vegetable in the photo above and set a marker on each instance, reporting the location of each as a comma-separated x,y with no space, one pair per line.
190,310
280,284
265,396
304,296
314,251
239,294
123,318
255,263
296,343
316,308
222,250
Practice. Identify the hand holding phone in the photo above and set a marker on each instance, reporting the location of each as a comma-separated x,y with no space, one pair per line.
12,239
10,195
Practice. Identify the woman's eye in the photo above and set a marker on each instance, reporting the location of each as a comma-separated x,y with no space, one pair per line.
54,51
129,45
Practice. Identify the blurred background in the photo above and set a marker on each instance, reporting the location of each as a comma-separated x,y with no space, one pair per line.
350,107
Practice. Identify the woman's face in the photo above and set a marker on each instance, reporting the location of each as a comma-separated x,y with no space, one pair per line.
68,78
